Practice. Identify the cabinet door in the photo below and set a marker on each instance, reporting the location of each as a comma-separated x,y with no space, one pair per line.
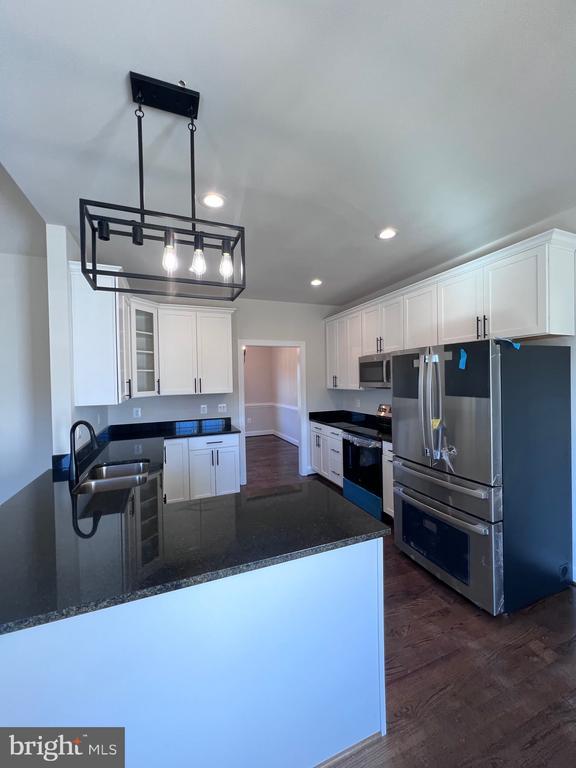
124,357
144,342
515,294
94,341
148,529
331,353
176,474
460,307
393,325
214,335
353,351
325,454
335,460
421,317
342,353
202,473
177,351
316,450
387,483
372,331
227,471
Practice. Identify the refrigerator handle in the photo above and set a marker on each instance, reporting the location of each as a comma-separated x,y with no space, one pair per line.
436,396
429,428
422,374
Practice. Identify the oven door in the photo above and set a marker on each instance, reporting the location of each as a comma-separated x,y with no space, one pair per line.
463,551
362,469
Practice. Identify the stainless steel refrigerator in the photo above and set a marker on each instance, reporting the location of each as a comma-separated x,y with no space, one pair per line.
482,468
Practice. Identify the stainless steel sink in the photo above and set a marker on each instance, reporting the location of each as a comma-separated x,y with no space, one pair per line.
110,484
118,469
114,476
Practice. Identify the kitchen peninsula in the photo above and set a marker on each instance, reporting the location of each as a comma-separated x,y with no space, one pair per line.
257,617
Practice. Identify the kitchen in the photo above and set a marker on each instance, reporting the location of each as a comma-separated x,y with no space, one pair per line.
266,601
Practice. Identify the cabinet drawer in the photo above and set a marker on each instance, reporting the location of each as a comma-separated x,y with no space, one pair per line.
213,441
325,429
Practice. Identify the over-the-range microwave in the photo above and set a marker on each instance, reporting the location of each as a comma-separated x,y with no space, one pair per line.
375,371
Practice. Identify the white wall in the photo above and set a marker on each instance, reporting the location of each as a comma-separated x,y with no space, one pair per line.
362,402
25,448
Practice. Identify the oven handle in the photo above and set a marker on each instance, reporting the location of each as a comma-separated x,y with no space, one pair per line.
362,442
475,492
481,530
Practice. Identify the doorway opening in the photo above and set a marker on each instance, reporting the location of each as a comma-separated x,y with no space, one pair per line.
272,412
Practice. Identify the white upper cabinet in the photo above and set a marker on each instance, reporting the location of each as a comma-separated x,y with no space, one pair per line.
177,344
421,317
343,348
331,353
372,330
461,307
393,325
144,342
214,334
531,293
354,350
100,328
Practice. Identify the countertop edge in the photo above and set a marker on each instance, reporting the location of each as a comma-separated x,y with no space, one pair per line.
173,586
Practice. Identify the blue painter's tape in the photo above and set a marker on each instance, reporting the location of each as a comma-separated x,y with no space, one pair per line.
515,345
463,359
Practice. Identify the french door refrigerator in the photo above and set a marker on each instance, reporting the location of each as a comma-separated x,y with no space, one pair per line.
482,468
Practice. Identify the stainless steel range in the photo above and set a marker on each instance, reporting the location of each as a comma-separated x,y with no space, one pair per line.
482,476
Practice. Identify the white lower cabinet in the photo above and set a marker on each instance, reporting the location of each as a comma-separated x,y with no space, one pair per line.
326,452
200,467
175,478
227,471
387,479
202,476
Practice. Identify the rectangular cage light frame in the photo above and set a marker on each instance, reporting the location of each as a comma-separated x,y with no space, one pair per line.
213,232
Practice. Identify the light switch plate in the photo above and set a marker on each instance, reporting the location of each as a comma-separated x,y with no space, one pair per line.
136,413
203,409
222,407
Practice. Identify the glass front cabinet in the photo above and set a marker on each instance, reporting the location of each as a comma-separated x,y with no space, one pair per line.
145,376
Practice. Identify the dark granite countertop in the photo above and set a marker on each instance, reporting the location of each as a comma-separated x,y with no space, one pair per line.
61,555
362,424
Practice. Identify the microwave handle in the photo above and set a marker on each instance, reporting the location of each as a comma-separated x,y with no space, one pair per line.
481,530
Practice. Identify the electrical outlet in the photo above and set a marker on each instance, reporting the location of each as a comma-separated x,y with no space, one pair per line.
138,449
222,407
357,403
98,419
136,413
204,409
249,420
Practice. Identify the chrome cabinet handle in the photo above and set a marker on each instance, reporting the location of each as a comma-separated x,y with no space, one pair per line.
477,493
481,530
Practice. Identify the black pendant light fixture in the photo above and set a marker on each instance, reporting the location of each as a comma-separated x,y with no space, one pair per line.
192,258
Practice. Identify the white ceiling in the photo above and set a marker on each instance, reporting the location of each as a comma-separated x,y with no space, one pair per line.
321,121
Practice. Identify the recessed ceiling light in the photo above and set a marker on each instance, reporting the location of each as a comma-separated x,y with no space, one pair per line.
316,282
387,233
213,200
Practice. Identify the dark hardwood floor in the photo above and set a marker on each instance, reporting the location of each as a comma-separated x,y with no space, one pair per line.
464,689
270,462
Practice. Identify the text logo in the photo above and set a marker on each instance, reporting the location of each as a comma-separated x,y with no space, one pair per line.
32,747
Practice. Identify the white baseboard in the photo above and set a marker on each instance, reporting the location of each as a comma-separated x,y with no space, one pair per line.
262,432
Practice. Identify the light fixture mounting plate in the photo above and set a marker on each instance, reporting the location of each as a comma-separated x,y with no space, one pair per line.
162,95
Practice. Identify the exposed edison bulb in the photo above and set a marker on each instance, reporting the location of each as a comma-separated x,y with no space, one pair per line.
198,265
169,260
226,266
